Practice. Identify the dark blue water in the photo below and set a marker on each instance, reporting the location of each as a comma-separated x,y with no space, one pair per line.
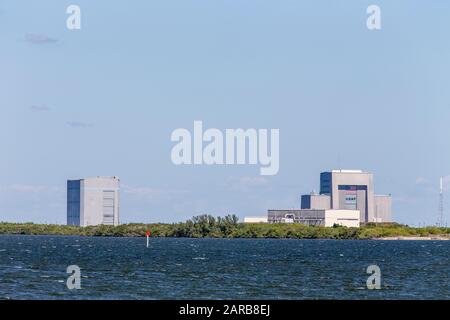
34,267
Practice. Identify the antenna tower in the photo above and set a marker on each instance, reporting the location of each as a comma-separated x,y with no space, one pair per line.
441,203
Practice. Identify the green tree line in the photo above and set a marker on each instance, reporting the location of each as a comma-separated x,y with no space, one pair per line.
207,226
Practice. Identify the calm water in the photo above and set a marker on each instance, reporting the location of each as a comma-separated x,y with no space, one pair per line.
34,267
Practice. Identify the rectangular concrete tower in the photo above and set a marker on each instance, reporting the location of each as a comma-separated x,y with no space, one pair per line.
93,201
350,190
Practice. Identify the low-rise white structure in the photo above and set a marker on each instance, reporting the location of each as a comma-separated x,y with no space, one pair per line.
93,201
255,220
316,217
346,218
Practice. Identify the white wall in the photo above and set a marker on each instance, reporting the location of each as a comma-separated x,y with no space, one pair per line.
346,218
383,208
256,220
92,200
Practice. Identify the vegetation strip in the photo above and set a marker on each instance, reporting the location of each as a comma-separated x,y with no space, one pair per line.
207,226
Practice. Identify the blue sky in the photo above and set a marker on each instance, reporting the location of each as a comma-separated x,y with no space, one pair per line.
105,99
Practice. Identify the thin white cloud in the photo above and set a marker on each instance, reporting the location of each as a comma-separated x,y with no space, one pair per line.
434,185
151,193
421,181
28,188
38,108
35,38
247,183
79,124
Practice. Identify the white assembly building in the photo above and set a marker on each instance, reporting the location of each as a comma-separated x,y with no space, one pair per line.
93,201
346,198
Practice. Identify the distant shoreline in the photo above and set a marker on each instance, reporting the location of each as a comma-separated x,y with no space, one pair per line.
230,228
434,238
440,238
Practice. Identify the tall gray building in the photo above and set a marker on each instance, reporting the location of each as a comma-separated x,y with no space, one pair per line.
350,190
93,201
